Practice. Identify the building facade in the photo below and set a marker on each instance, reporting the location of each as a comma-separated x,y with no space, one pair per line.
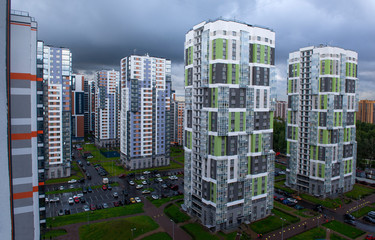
320,131
91,109
281,109
57,102
86,97
22,198
178,120
229,104
145,111
78,108
106,109
366,111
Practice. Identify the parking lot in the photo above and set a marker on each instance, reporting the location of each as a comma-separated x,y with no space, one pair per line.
98,196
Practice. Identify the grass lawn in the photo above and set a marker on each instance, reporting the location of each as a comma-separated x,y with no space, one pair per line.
315,233
363,211
229,236
180,159
280,178
280,185
280,166
77,175
336,237
172,165
283,207
53,233
174,213
112,169
158,236
307,213
118,229
161,201
197,232
329,203
95,215
344,229
359,192
272,223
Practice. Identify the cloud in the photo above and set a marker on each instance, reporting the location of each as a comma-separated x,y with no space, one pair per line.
100,33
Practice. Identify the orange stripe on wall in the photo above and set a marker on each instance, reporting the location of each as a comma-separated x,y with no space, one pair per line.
21,24
23,195
24,136
22,76
41,184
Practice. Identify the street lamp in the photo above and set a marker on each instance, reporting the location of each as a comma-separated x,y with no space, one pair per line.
133,229
282,228
173,229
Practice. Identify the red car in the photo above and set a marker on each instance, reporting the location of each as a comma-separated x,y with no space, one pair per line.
92,207
123,175
116,204
76,199
370,237
104,187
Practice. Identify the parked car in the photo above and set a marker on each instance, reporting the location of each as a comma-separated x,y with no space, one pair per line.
123,175
82,180
55,199
139,186
157,175
164,186
298,207
105,205
349,216
371,214
86,208
142,178
76,199
125,193
146,172
109,187
116,204
369,219
71,186
61,212
84,189
61,188
70,200
72,181
146,191
349,221
131,183
174,187
292,200
115,195
132,200
80,195
104,187
137,199
89,189
92,207
98,206
67,212
144,182
155,197
88,162
82,199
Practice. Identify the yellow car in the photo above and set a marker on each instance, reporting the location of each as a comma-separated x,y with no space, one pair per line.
132,200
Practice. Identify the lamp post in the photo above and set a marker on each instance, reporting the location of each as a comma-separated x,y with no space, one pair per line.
133,229
282,228
172,229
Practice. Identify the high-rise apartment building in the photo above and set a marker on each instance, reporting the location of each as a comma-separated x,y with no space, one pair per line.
145,111
57,63
322,104
78,107
106,109
91,110
281,109
366,111
178,120
86,92
229,161
21,138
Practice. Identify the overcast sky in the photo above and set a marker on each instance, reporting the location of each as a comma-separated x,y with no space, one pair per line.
100,33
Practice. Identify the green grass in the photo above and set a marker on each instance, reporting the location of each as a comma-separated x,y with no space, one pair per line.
229,236
329,203
272,223
161,201
280,178
53,233
336,237
307,213
280,185
77,175
280,166
197,232
158,236
359,192
95,215
173,165
363,211
180,159
118,229
315,233
283,207
112,169
97,156
174,213
344,229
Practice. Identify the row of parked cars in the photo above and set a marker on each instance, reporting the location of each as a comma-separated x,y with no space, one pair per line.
101,171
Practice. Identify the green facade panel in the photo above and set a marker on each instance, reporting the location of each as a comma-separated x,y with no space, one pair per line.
262,53
271,120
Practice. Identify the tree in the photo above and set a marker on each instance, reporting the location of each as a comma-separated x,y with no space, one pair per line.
279,141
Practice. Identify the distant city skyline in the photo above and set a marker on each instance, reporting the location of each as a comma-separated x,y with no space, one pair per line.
112,31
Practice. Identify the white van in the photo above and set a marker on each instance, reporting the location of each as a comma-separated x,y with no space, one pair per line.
105,180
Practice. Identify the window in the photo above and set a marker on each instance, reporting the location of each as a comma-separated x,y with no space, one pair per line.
258,38
224,32
234,33
214,33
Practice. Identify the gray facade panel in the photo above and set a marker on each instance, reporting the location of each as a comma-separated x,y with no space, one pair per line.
21,166
23,202
21,143
23,228
20,83
21,100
